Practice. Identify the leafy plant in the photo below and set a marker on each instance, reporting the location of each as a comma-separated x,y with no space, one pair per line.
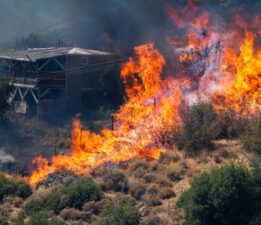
121,213
73,196
229,195
201,127
13,186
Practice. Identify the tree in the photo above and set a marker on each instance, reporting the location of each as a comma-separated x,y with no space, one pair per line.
200,128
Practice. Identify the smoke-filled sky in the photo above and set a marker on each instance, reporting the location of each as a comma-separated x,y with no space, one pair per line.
98,24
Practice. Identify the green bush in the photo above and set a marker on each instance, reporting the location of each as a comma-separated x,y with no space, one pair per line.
13,186
74,196
229,195
252,141
200,128
3,220
121,213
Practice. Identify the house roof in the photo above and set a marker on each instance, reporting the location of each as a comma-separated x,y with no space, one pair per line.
42,53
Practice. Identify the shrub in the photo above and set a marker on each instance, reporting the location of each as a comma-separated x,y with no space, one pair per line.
121,213
116,180
229,195
200,129
137,191
168,157
166,193
13,186
149,177
75,214
153,201
252,141
232,125
73,196
42,219
3,220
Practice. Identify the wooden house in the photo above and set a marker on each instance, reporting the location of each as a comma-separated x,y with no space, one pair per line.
48,80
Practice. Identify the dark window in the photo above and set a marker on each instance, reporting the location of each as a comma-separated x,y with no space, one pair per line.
84,60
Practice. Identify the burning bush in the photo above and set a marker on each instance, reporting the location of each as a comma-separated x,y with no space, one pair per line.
200,128
122,212
74,195
229,195
13,186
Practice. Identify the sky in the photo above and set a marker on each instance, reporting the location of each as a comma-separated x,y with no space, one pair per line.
98,24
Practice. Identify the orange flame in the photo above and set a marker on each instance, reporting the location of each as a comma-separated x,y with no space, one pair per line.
216,74
152,108
244,94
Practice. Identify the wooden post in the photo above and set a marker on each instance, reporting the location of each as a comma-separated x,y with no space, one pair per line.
81,136
55,147
112,123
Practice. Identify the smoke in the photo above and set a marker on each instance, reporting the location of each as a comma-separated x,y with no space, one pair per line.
101,24
5,158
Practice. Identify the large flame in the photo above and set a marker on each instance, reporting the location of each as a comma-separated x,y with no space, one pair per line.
152,108
214,70
244,92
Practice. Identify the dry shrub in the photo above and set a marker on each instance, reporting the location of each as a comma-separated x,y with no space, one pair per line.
75,214
163,182
168,157
174,176
149,178
217,158
91,207
138,163
116,180
167,193
139,172
153,201
226,154
137,190
153,190
152,220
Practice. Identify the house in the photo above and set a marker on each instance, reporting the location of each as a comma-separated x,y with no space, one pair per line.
48,80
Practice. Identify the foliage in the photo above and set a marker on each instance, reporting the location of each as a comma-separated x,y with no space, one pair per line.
200,128
121,213
232,125
5,90
228,195
3,220
252,141
42,219
13,186
73,196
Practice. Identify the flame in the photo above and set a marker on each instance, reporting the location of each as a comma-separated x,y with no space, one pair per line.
214,69
152,108
244,94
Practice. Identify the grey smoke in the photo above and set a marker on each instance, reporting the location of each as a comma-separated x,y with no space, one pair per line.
5,157
99,24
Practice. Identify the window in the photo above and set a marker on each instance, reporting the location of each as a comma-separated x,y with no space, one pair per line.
84,60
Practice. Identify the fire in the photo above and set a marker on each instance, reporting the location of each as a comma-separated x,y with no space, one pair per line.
244,94
152,109
214,70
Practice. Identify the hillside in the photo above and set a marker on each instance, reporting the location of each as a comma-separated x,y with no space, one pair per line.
154,186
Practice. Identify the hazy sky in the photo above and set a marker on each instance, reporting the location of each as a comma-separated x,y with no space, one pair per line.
89,23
